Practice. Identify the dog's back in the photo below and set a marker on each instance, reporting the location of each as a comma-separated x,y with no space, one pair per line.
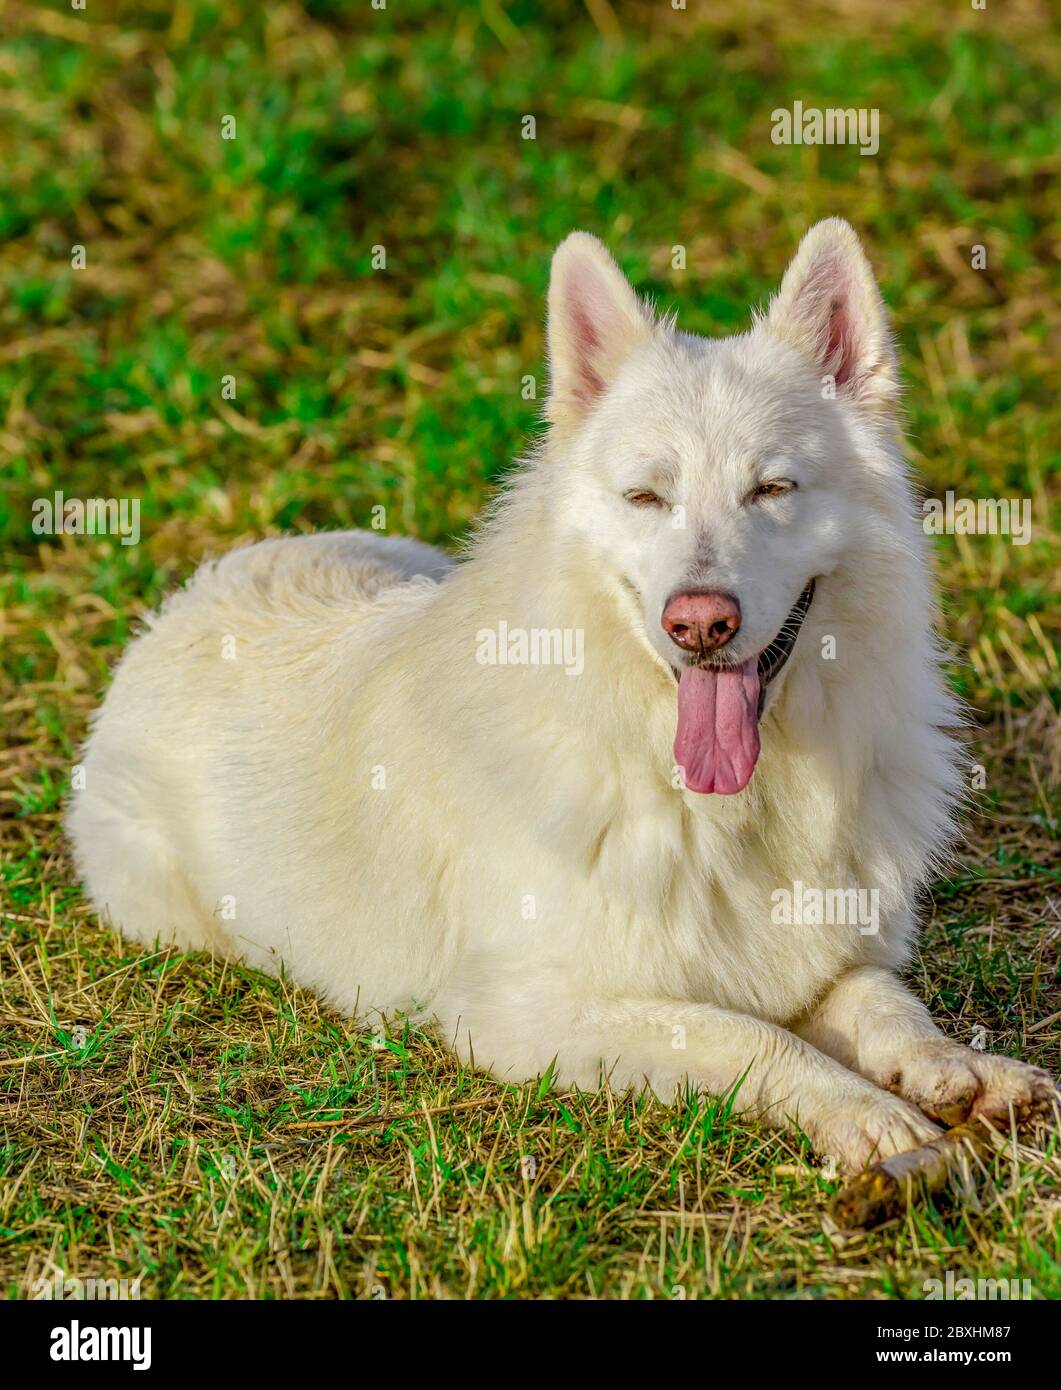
261,628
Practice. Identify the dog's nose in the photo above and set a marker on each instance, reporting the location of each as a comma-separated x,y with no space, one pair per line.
701,622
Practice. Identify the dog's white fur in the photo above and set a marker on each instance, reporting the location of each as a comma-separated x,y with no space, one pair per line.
302,761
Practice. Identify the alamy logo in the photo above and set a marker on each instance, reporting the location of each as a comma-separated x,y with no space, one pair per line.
835,126
962,1289
981,516
69,1286
59,515
536,646
77,1343
804,906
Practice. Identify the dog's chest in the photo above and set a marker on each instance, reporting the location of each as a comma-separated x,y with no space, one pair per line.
740,952
728,916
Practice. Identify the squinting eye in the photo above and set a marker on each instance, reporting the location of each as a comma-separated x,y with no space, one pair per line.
643,498
776,489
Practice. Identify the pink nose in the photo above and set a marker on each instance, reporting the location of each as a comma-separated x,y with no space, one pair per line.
699,622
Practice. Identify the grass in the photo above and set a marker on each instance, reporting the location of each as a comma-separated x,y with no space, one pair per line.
215,1130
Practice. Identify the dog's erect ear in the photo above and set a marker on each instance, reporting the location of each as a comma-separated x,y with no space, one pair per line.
594,322
830,308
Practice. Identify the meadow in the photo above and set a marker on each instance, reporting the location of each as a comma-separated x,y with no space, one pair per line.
219,1133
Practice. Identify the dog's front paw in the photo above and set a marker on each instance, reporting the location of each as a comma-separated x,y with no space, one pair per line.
858,1132
952,1083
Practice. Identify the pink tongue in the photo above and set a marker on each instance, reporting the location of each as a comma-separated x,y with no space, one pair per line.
717,743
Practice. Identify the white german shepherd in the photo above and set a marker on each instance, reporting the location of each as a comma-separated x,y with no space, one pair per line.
552,796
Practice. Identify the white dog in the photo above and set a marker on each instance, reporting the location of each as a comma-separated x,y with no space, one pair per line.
556,796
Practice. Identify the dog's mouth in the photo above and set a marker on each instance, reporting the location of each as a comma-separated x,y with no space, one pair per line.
720,704
773,657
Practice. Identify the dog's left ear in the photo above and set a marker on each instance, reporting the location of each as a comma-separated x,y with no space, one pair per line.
830,308
595,321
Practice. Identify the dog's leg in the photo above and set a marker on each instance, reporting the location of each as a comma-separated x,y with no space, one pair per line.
871,1023
665,1044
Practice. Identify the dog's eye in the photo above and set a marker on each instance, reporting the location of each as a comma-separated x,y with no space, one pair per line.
777,488
642,497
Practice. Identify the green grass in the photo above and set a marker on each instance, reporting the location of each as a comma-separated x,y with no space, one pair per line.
217,1130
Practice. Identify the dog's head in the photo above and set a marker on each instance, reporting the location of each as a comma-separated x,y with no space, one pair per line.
721,481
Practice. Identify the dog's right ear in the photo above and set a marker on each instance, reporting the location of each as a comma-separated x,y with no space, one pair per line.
830,308
595,320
